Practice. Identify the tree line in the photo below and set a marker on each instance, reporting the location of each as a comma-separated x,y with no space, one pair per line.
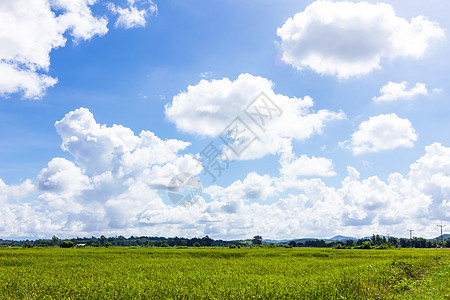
146,241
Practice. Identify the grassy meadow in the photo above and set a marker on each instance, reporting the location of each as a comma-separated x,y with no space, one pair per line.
222,273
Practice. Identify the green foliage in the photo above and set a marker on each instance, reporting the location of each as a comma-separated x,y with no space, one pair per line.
28,245
218,273
66,244
257,240
365,245
197,244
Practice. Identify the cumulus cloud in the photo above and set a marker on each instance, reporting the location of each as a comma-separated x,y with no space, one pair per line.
77,18
30,30
135,15
265,118
116,192
382,132
293,167
116,175
393,91
349,39
357,207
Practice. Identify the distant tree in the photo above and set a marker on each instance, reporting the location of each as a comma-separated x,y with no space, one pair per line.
292,244
197,244
27,245
257,240
366,245
339,246
102,240
55,241
107,244
393,241
207,241
66,244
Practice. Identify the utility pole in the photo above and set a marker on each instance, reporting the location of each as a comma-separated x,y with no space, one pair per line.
442,236
410,237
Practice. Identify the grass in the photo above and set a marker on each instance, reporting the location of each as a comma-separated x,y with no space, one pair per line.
221,273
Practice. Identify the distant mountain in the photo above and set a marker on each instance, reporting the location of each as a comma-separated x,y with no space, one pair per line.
302,240
275,241
446,236
341,238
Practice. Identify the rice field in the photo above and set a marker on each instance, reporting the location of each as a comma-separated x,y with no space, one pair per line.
222,273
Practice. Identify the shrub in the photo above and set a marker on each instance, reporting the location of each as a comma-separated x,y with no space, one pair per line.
66,244
28,245
365,245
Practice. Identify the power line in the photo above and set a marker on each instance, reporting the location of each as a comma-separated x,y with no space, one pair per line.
442,236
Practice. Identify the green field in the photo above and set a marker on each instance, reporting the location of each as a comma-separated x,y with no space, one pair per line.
222,273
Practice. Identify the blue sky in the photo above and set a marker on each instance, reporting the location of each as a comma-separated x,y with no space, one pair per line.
130,63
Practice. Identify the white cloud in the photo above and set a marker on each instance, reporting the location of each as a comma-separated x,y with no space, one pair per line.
135,15
349,39
293,167
116,177
30,30
209,107
29,82
78,19
382,132
119,194
17,192
357,207
393,91
253,187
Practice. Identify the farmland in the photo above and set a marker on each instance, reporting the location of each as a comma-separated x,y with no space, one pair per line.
222,273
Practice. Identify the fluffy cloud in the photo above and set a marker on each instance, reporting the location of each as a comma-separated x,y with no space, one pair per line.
268,120
393,91
116,176
78,19
357,207
348,39
17,192
382,132
116,191
135,15
293,167
30,30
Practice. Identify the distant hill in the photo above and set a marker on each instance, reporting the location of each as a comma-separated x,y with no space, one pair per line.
275,241
302,240
341,238
446,236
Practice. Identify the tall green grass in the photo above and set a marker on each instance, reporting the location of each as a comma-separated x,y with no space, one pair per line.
219,273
